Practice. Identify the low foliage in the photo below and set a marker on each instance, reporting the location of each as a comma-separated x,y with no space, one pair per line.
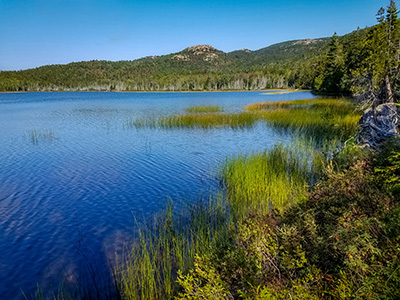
342,243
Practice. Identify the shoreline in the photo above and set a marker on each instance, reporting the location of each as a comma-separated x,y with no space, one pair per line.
266,91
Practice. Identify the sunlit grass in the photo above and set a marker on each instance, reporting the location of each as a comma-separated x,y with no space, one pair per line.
318,118
280,92
204,109
171,244
254,184
339,105
205,121
272,180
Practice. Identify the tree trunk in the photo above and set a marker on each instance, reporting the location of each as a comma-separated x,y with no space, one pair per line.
388,90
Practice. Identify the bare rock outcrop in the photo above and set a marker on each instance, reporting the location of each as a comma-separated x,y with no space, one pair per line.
202,49
378,125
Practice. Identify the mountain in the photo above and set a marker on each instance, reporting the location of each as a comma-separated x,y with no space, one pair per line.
200,67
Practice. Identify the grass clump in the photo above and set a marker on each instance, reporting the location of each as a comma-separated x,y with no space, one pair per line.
204,109
204,121
37,136
265,181
341,105
234,121
318,118
169,247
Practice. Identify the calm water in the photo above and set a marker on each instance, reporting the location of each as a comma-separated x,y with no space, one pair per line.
73,175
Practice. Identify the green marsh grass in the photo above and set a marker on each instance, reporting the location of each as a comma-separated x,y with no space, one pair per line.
318,118
204,121
339,105
272,180
204,109
170,245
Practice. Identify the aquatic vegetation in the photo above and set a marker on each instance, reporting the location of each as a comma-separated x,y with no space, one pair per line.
204,109
318,118
339,105
272,180
178,243
205,121
36,136
281,92
170,245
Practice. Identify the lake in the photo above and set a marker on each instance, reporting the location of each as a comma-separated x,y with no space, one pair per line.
74,175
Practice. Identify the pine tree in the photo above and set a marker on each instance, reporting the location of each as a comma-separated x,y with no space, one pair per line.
329,81
377,72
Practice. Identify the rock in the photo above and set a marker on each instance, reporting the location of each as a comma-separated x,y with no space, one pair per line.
379,125
201,49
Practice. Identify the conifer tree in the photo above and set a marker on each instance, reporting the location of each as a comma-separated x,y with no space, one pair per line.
376,74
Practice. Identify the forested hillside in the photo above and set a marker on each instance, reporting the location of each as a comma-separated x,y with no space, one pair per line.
317,64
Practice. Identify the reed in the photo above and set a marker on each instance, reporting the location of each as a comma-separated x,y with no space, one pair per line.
37,136
204,109
262,182
256,183
170,244
318,118
339,105
241,120
204,121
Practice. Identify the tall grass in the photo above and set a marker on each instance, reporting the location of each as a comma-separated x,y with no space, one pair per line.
171,244
339,105
272,180
205,121
204,109
318,118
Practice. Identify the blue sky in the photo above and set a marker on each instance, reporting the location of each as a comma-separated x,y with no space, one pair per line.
40,32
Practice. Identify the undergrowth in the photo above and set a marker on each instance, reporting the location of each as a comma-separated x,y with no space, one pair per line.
340,243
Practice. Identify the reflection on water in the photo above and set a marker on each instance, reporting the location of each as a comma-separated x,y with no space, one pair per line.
73,175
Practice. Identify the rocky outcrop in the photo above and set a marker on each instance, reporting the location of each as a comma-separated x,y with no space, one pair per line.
202,49
378,125
202,52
